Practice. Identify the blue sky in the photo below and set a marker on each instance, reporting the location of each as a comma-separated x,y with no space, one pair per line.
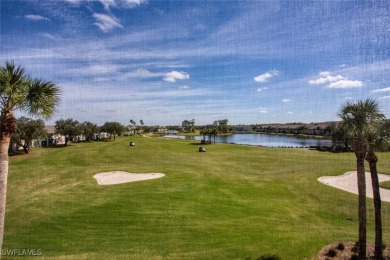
167,61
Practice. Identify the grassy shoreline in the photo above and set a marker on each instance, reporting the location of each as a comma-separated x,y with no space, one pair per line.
232,202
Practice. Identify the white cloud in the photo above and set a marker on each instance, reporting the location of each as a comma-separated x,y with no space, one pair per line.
264,77
290,113
33,17
73,1
324,73
184,87
143,73
121,3
132,3
338,81
384,97
286,100
108,3
263,110
174,75
112,3
106,23
261,89
381,90
346,83
326,78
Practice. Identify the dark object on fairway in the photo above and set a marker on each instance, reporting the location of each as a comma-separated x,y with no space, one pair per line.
202,149
132,144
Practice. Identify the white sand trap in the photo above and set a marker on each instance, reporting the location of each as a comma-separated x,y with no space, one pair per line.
118,177
348,182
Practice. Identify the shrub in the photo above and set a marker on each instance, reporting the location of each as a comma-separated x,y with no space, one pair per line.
269,257
340,247
354,257
355,247
331,253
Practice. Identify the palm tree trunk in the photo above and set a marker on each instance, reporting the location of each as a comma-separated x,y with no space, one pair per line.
362,208
372,160
360,148
4,145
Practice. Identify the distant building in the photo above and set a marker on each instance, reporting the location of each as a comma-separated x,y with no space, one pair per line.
295,128
172,132
242,128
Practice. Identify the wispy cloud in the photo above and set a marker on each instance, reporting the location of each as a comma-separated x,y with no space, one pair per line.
108,3
338,81
381,90
143,73
106,22
263,110
266,76
121,3
262,89
34,17
286,100
175,75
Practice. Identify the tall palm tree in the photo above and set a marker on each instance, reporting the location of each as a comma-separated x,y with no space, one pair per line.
361,118
377,140
372,160
18,91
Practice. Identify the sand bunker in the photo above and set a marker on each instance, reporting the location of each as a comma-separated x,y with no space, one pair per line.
118,177
348,182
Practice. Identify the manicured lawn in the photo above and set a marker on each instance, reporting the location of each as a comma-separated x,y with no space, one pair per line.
232,202
385,184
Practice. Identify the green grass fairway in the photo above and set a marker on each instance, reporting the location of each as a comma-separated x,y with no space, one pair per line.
385,185
232,202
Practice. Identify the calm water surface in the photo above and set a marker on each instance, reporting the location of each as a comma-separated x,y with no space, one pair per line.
263,140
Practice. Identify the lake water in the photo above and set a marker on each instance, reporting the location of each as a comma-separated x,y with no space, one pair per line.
263,140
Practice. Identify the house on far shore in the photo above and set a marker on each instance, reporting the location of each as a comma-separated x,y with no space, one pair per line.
52,138
242,128
172,132
130,130
295,128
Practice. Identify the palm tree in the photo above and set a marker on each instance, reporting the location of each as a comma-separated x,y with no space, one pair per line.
377,140
372,160
360,118
204,132
18,91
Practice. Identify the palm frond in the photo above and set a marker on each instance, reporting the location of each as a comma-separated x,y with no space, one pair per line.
361,117
42,98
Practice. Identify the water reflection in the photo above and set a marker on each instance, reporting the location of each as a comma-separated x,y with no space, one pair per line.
263,140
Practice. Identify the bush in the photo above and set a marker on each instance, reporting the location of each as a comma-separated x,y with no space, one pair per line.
340,247
354,257
269,257
355,247
331,253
